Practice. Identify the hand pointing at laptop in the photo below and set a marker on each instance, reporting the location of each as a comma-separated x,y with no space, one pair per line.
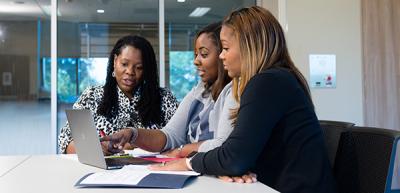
117,141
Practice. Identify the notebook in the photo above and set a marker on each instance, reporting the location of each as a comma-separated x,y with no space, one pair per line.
135,176
87,143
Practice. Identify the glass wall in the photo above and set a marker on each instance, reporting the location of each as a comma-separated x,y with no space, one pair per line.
182,21
24,103
87,30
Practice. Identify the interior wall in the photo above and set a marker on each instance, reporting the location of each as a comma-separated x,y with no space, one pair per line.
329,27
381,55
18,50
271,5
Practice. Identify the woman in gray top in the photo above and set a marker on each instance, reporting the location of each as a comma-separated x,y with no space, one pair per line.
190,128
199,124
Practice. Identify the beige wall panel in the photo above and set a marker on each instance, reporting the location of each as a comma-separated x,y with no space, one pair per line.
330,27
381,56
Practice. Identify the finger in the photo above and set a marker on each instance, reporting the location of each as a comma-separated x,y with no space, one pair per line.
122,143
225,178
253,176
105,149
247,179
158,167
238,179
106,152
177,165
105,138
128,146
111,148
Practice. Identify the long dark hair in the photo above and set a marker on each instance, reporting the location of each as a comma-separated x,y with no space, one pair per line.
213,31
149,105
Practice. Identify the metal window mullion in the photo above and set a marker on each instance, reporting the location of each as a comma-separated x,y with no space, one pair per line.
53,133
161,24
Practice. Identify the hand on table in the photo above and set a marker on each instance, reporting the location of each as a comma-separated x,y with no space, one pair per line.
172,153
246,178
176,165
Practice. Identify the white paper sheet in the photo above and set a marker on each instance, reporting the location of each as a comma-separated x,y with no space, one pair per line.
121,176
137,152
145,169
128,175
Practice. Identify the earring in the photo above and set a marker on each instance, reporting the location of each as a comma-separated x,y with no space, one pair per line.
113,74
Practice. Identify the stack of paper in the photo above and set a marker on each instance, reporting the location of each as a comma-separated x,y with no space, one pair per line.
136,176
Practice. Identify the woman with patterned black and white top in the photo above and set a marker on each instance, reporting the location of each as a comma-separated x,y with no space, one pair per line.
130,97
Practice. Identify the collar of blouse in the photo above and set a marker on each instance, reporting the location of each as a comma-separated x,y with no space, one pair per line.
125,99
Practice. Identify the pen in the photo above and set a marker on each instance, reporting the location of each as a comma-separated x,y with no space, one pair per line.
148,156
102,134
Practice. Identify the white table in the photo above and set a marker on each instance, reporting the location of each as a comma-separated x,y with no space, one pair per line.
8,163
59,173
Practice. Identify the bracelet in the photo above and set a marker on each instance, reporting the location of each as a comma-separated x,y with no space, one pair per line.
180,148
188,164
189,159
134,136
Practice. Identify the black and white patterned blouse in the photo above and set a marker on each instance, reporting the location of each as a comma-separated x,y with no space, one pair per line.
91,99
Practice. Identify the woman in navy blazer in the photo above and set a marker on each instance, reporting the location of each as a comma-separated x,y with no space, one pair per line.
276,132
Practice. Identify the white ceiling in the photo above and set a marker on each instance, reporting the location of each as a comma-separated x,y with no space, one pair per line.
119,11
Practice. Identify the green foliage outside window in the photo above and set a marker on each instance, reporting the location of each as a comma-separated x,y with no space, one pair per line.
84,72
183,74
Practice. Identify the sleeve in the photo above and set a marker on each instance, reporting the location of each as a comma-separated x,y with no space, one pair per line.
169,104
176,129
220,121
263,103
85,101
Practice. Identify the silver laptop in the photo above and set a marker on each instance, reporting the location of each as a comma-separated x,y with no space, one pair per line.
87,143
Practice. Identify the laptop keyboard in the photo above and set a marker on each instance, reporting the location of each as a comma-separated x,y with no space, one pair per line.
121,161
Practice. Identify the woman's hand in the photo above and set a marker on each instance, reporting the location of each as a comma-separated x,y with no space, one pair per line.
70,148
172,153
105,146
129,146
246,178
176,165
116,142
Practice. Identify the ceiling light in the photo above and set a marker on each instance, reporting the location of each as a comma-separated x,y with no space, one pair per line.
19,9
199,12
181,1
100,11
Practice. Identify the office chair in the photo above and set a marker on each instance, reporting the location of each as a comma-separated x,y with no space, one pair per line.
332,131
364,160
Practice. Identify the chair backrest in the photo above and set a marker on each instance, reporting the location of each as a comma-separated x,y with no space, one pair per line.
364,158
332,131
